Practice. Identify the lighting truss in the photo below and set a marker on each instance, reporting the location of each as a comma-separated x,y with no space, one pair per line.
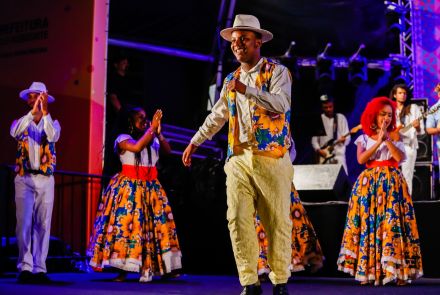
407,39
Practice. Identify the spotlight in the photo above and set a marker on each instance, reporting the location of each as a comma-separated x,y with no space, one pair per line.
399,70
396,74
290,61
357,67
395,7
288,52
400,28
357,70
325,68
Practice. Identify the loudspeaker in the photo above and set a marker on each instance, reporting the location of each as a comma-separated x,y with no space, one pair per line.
321,183
424,152
422,182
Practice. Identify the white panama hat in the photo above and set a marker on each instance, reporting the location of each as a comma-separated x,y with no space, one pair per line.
246,22
36,87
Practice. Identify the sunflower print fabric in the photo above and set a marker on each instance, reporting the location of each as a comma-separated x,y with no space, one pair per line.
271,130
381,241
134,229
47,156
306,250
232,107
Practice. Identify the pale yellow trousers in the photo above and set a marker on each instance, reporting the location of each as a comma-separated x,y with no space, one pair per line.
263,184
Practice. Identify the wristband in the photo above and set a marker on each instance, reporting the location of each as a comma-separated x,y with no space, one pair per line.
151,131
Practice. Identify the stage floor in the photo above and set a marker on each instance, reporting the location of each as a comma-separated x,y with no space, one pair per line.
100,284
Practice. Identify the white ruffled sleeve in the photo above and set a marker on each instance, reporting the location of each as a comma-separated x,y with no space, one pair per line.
362,139
121,138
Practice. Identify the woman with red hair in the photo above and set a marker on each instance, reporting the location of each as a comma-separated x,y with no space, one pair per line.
381,241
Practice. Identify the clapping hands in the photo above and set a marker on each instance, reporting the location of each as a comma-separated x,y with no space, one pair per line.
156,121
383,133
41,104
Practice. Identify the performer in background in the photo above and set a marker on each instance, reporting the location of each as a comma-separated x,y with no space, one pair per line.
407,114
381,241
433,121
36,133
336,131
256,100
134,228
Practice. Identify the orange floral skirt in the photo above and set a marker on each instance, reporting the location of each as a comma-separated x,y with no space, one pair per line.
381,241
134,229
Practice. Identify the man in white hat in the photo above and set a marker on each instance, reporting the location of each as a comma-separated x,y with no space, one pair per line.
36,134
255,99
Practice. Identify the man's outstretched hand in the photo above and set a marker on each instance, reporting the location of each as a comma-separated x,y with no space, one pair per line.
187,154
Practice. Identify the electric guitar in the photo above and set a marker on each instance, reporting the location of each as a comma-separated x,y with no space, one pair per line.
402,129
329,146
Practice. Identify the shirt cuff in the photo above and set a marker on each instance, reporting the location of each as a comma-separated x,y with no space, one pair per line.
29,116
197,139
47,117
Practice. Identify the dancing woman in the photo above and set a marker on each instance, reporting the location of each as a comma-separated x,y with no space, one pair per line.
381,241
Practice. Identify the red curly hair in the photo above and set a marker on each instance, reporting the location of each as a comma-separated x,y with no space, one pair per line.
369,116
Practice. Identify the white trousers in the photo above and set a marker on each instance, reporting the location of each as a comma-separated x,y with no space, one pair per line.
34,195
408,166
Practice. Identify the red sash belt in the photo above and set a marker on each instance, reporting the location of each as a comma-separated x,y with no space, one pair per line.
141,172
390,162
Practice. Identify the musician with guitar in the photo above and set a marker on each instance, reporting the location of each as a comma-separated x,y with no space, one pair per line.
409,124
433,120
330,148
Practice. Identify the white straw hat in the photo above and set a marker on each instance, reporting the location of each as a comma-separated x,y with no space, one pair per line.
246,22
36,87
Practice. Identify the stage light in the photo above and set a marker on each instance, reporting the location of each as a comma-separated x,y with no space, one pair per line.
395,7
325,68
288,52
357,70
399,70
400,28
290,61
357,67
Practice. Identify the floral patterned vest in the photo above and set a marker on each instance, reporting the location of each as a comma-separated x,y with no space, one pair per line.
271,131
47,156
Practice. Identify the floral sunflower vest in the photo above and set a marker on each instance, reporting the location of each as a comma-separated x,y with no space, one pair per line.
271,131
47,157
